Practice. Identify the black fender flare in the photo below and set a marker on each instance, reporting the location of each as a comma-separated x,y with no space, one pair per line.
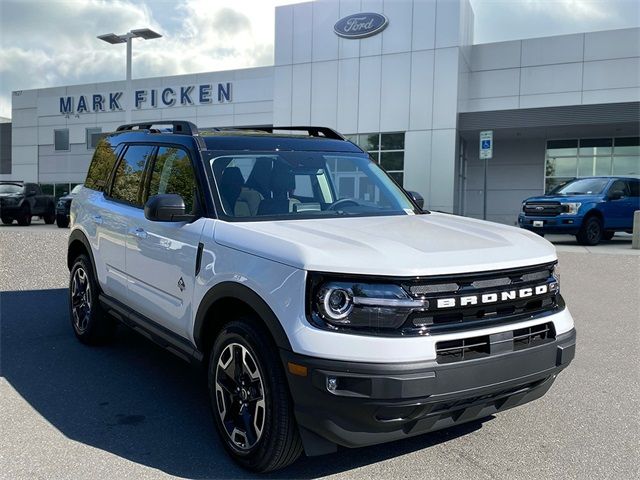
246,295
79,236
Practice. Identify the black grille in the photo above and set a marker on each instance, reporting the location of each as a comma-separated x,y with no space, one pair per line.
465,349
482,346
434,320
542,209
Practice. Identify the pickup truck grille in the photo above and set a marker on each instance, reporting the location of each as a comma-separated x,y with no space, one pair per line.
478,347
542,209
463,302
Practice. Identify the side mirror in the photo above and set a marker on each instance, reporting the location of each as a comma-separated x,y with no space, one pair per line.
166,207
616,195
417,198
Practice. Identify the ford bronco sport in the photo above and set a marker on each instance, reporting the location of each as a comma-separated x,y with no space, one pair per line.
325,315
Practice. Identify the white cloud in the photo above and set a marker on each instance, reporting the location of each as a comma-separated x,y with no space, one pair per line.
53,43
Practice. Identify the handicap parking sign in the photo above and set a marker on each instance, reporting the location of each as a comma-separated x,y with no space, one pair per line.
486,144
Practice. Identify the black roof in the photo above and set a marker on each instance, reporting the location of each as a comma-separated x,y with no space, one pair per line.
260,141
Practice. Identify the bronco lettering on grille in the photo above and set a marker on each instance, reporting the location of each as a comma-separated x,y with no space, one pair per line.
487,298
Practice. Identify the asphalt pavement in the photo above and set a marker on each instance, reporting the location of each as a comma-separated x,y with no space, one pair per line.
131,410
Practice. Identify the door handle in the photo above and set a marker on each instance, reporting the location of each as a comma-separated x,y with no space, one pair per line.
138,232
97,219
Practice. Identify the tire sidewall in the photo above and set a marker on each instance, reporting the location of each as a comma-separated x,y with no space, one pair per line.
244,333
593,221
98,325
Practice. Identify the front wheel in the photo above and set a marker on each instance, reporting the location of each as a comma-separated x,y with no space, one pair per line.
62,221
49,217
590,232
7,220
24,218
250,398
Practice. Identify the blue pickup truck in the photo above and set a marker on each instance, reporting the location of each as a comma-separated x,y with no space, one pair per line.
592,208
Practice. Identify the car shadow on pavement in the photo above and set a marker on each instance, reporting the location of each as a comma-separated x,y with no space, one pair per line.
135,400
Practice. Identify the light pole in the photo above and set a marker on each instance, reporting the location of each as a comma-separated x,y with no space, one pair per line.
112,38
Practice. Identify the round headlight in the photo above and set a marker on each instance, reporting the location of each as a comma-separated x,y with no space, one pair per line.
337,302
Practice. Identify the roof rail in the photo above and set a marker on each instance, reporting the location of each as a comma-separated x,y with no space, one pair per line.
180,127
312,131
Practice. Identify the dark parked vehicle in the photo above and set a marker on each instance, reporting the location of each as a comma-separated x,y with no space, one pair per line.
21,201
592,208
63,207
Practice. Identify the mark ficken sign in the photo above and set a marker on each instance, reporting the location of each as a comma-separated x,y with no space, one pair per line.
204,94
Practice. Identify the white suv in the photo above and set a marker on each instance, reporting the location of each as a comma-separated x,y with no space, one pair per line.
327,306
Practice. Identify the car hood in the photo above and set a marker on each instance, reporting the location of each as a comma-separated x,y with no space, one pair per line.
67,198
407,245
565,198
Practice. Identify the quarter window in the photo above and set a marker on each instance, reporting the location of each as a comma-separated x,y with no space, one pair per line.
104,158
173,173
128,175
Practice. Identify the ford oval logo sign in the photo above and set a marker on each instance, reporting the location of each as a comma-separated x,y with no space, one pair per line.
360,25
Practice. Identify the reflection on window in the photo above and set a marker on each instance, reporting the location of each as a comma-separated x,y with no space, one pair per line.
173,173
567,159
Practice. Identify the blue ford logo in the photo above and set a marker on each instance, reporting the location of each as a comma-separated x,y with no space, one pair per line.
360,25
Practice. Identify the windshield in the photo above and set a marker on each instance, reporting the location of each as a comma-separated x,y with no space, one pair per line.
582,186
10,188
291,185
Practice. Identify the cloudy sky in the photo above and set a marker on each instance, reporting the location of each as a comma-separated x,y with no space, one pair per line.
45,43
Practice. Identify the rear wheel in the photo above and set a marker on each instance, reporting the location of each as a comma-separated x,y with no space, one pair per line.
62,221
49,217
90,323
24,217
250,398
590,232
7,220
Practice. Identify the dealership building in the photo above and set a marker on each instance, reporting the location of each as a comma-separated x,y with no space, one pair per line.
403,79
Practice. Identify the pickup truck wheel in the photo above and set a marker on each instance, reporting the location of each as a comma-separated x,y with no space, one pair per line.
90,323
590,232
24,217
62,221
7,220
250,398
49,217
608,235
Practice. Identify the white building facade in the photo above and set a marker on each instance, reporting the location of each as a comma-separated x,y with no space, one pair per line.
415,93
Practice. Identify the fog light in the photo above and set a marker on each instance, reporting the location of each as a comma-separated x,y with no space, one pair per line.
332,384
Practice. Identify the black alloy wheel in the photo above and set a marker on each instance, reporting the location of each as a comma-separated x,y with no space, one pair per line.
90,322
250,399
590,232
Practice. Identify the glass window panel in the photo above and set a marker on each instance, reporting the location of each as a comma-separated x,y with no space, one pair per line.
92,137
398,177
61,139
590,151
173,173
61,189
392,160
352,138
126,183
627,146
561,167
551,144
626,165
346,187
585,166
47,188
551,183
596,142
369,141
392,141
603,166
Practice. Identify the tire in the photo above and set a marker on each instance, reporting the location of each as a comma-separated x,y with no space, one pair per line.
261,383
590,232
62,221
49,217
91,324
608,235
7,220
24,217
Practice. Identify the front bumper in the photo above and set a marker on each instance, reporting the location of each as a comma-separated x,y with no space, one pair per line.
563,224
376,403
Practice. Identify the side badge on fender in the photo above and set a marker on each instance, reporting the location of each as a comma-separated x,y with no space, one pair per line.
181,284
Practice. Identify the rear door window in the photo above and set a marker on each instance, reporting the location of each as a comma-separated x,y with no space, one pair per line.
127,179
173,173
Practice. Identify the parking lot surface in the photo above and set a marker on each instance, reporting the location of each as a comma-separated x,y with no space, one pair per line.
131,410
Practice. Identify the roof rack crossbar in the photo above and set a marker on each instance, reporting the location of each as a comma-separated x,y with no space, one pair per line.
180,127
312,131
